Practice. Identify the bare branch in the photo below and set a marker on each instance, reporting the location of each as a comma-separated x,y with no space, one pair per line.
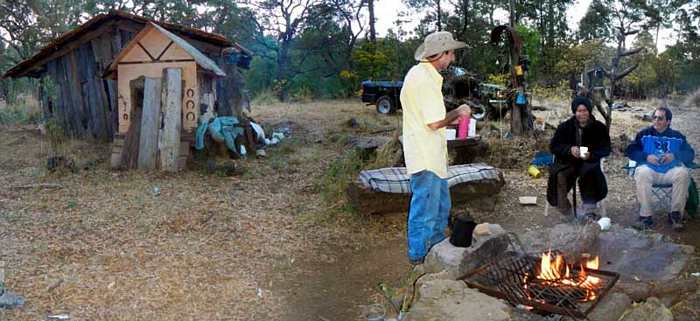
630,52
626,72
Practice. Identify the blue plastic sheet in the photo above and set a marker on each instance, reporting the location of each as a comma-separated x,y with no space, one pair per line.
543,159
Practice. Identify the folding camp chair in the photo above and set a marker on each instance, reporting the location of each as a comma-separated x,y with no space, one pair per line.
601,208
660,192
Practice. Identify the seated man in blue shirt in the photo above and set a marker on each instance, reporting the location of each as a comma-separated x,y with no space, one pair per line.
663,154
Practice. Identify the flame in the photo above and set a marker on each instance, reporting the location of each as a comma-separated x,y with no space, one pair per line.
589,282
552,271
555,270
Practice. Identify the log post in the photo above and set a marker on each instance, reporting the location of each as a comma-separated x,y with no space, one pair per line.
150,123
169,138
130,151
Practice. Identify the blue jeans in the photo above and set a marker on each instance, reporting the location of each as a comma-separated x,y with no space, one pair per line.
428,214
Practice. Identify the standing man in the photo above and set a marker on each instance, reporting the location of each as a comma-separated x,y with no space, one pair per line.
425,143
663,154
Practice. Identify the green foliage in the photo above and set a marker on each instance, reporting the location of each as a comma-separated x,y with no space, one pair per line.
578,58
532,46
643,80
558,92
19,114
372,61
55,133
317,50
264,97
595,24
333,184
260,76
498,79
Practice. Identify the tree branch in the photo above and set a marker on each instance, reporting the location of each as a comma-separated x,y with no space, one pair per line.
626,72
630,52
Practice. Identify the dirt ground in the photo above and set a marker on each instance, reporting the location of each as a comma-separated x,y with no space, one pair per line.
261,244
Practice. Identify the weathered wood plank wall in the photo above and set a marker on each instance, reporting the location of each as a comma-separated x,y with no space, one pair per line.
85,104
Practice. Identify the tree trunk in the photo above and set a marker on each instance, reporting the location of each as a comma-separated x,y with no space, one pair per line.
283,71
439,16
372,31
465,13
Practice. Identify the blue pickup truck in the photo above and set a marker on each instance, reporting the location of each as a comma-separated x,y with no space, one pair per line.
459,87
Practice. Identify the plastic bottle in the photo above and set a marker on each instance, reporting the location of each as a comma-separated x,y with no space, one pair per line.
463,128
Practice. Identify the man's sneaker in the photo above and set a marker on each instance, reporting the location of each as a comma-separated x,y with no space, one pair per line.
675,219
644,223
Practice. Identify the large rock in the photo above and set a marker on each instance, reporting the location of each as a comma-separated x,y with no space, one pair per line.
489,241
452,300
636,256
642,256
367,146
669,292
651,310
689,310
571,239
610,308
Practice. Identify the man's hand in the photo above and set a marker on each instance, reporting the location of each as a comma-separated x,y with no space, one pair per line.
452,117
575,152
464,111
653,159
666,158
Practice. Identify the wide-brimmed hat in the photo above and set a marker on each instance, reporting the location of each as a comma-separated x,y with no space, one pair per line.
436,43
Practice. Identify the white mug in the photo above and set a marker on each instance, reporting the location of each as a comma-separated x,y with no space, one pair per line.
604,223
583,151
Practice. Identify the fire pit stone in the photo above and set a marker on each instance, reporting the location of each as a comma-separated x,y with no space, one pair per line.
651,310
453,300
611,307
571,239
490,240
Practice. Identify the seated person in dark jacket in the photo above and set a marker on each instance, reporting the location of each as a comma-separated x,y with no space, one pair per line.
662,155
578,145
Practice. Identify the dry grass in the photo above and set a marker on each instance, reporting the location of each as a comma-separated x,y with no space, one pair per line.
693,100
105,246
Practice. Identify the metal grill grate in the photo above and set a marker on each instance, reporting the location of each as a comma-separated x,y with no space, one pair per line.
512,279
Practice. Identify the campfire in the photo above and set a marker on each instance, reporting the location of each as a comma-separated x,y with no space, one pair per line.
545,283
555,273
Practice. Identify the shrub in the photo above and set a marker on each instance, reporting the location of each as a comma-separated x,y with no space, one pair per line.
19,115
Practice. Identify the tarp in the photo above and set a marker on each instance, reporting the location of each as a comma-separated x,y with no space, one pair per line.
222,129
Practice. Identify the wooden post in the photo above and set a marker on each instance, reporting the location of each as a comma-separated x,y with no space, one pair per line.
169,138
150,123
130,151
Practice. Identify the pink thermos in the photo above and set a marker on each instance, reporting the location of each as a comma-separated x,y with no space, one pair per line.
463,128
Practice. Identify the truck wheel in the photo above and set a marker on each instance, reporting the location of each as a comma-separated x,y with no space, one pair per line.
385,105
479,112
497,111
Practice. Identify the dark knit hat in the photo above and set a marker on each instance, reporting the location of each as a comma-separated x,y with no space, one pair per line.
581,100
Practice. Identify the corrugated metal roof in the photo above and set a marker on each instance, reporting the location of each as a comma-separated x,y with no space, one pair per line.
28,66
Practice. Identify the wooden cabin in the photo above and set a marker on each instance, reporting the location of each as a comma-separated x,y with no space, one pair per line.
163,84
147,55
87,105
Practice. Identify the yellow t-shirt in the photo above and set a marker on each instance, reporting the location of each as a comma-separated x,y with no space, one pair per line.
422,104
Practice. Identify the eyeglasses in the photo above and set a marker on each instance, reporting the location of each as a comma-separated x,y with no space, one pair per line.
658,117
